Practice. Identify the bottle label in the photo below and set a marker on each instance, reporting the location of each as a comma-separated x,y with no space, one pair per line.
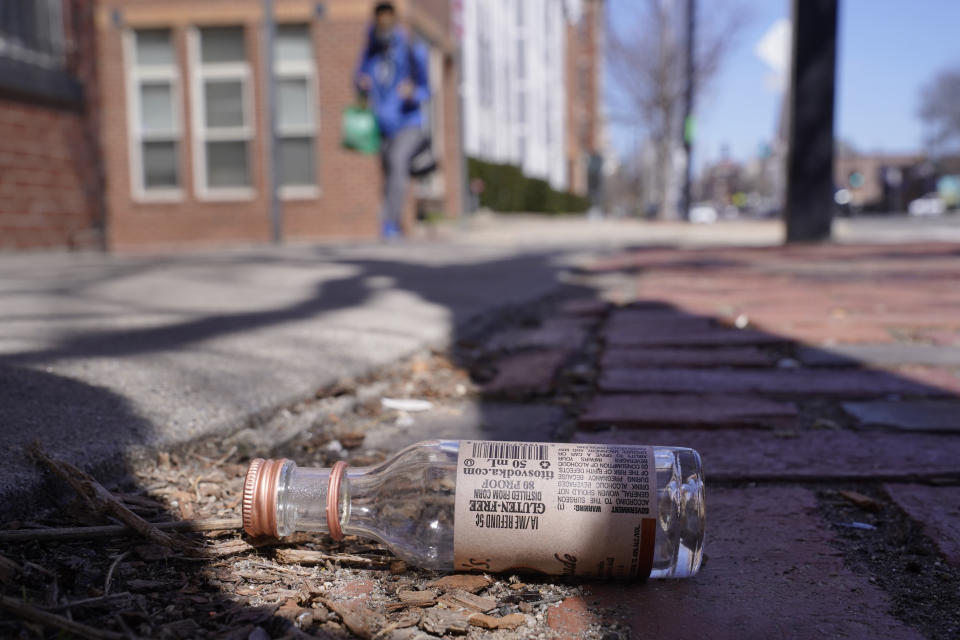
555,508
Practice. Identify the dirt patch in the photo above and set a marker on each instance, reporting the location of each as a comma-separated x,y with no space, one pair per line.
898,556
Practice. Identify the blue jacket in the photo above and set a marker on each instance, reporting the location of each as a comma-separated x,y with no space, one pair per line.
387,67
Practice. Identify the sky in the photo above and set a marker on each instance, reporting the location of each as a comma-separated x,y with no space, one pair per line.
888,50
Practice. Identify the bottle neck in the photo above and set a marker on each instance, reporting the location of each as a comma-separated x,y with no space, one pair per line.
303,499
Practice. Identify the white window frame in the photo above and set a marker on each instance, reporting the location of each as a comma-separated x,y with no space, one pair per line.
300,70
137,75
200,72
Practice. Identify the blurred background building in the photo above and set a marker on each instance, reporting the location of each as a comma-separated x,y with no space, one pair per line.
532,80
51,172
142,123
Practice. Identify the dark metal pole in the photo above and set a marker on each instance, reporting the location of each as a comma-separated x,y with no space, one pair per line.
809,201
688,122
270,102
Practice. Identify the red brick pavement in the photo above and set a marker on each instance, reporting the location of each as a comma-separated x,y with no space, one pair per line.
723,351
772,572
661,410
676,370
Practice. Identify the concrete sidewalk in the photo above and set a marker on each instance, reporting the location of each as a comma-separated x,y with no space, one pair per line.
98,353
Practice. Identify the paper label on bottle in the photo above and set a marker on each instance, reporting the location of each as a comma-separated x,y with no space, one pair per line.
556,508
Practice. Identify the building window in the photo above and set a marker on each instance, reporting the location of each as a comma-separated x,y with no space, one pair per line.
484,57
222,112
32,31
295,110
153,89
521,99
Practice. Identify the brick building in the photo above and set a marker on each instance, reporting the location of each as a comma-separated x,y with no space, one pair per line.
879,181
185,135
50,170
134,124
147,125
584,69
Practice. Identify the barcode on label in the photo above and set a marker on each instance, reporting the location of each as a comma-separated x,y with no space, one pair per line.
509,451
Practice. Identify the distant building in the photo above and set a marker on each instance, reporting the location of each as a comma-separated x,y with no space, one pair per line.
720,181
881,181
532,90
135,124
143,121
50,171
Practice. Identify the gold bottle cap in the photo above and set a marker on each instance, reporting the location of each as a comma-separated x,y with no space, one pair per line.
260,497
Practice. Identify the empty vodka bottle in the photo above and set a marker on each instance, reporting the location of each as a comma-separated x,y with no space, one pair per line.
601,511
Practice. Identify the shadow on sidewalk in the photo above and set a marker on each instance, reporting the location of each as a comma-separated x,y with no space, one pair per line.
600,360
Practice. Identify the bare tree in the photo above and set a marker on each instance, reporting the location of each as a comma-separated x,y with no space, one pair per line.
647,60
940,109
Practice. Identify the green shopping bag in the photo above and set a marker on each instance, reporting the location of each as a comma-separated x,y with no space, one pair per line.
360,131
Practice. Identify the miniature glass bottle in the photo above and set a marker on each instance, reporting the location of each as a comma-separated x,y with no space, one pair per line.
596,511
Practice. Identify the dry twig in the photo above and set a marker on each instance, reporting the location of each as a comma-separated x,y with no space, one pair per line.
45,618
113,567
102,500
308,558
110,530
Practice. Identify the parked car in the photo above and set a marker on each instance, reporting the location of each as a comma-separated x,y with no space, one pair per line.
929,205
703,213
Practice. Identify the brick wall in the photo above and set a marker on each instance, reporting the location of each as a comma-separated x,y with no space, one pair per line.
594,15
582,72
348,202
50,177
349,183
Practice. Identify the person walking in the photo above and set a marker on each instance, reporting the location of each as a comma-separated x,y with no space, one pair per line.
392,76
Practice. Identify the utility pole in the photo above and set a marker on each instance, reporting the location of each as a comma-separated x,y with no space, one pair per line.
456,16
688,121
270,109
809,200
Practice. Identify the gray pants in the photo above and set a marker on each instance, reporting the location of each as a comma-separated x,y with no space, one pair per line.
395,155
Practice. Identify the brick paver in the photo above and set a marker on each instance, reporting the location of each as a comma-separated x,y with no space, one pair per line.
847,384
531,372
557,332
944,338
879,354
907,415
656,320
944,378
692,337
772,572
750,454
685,410
584,307
626,357
937,509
